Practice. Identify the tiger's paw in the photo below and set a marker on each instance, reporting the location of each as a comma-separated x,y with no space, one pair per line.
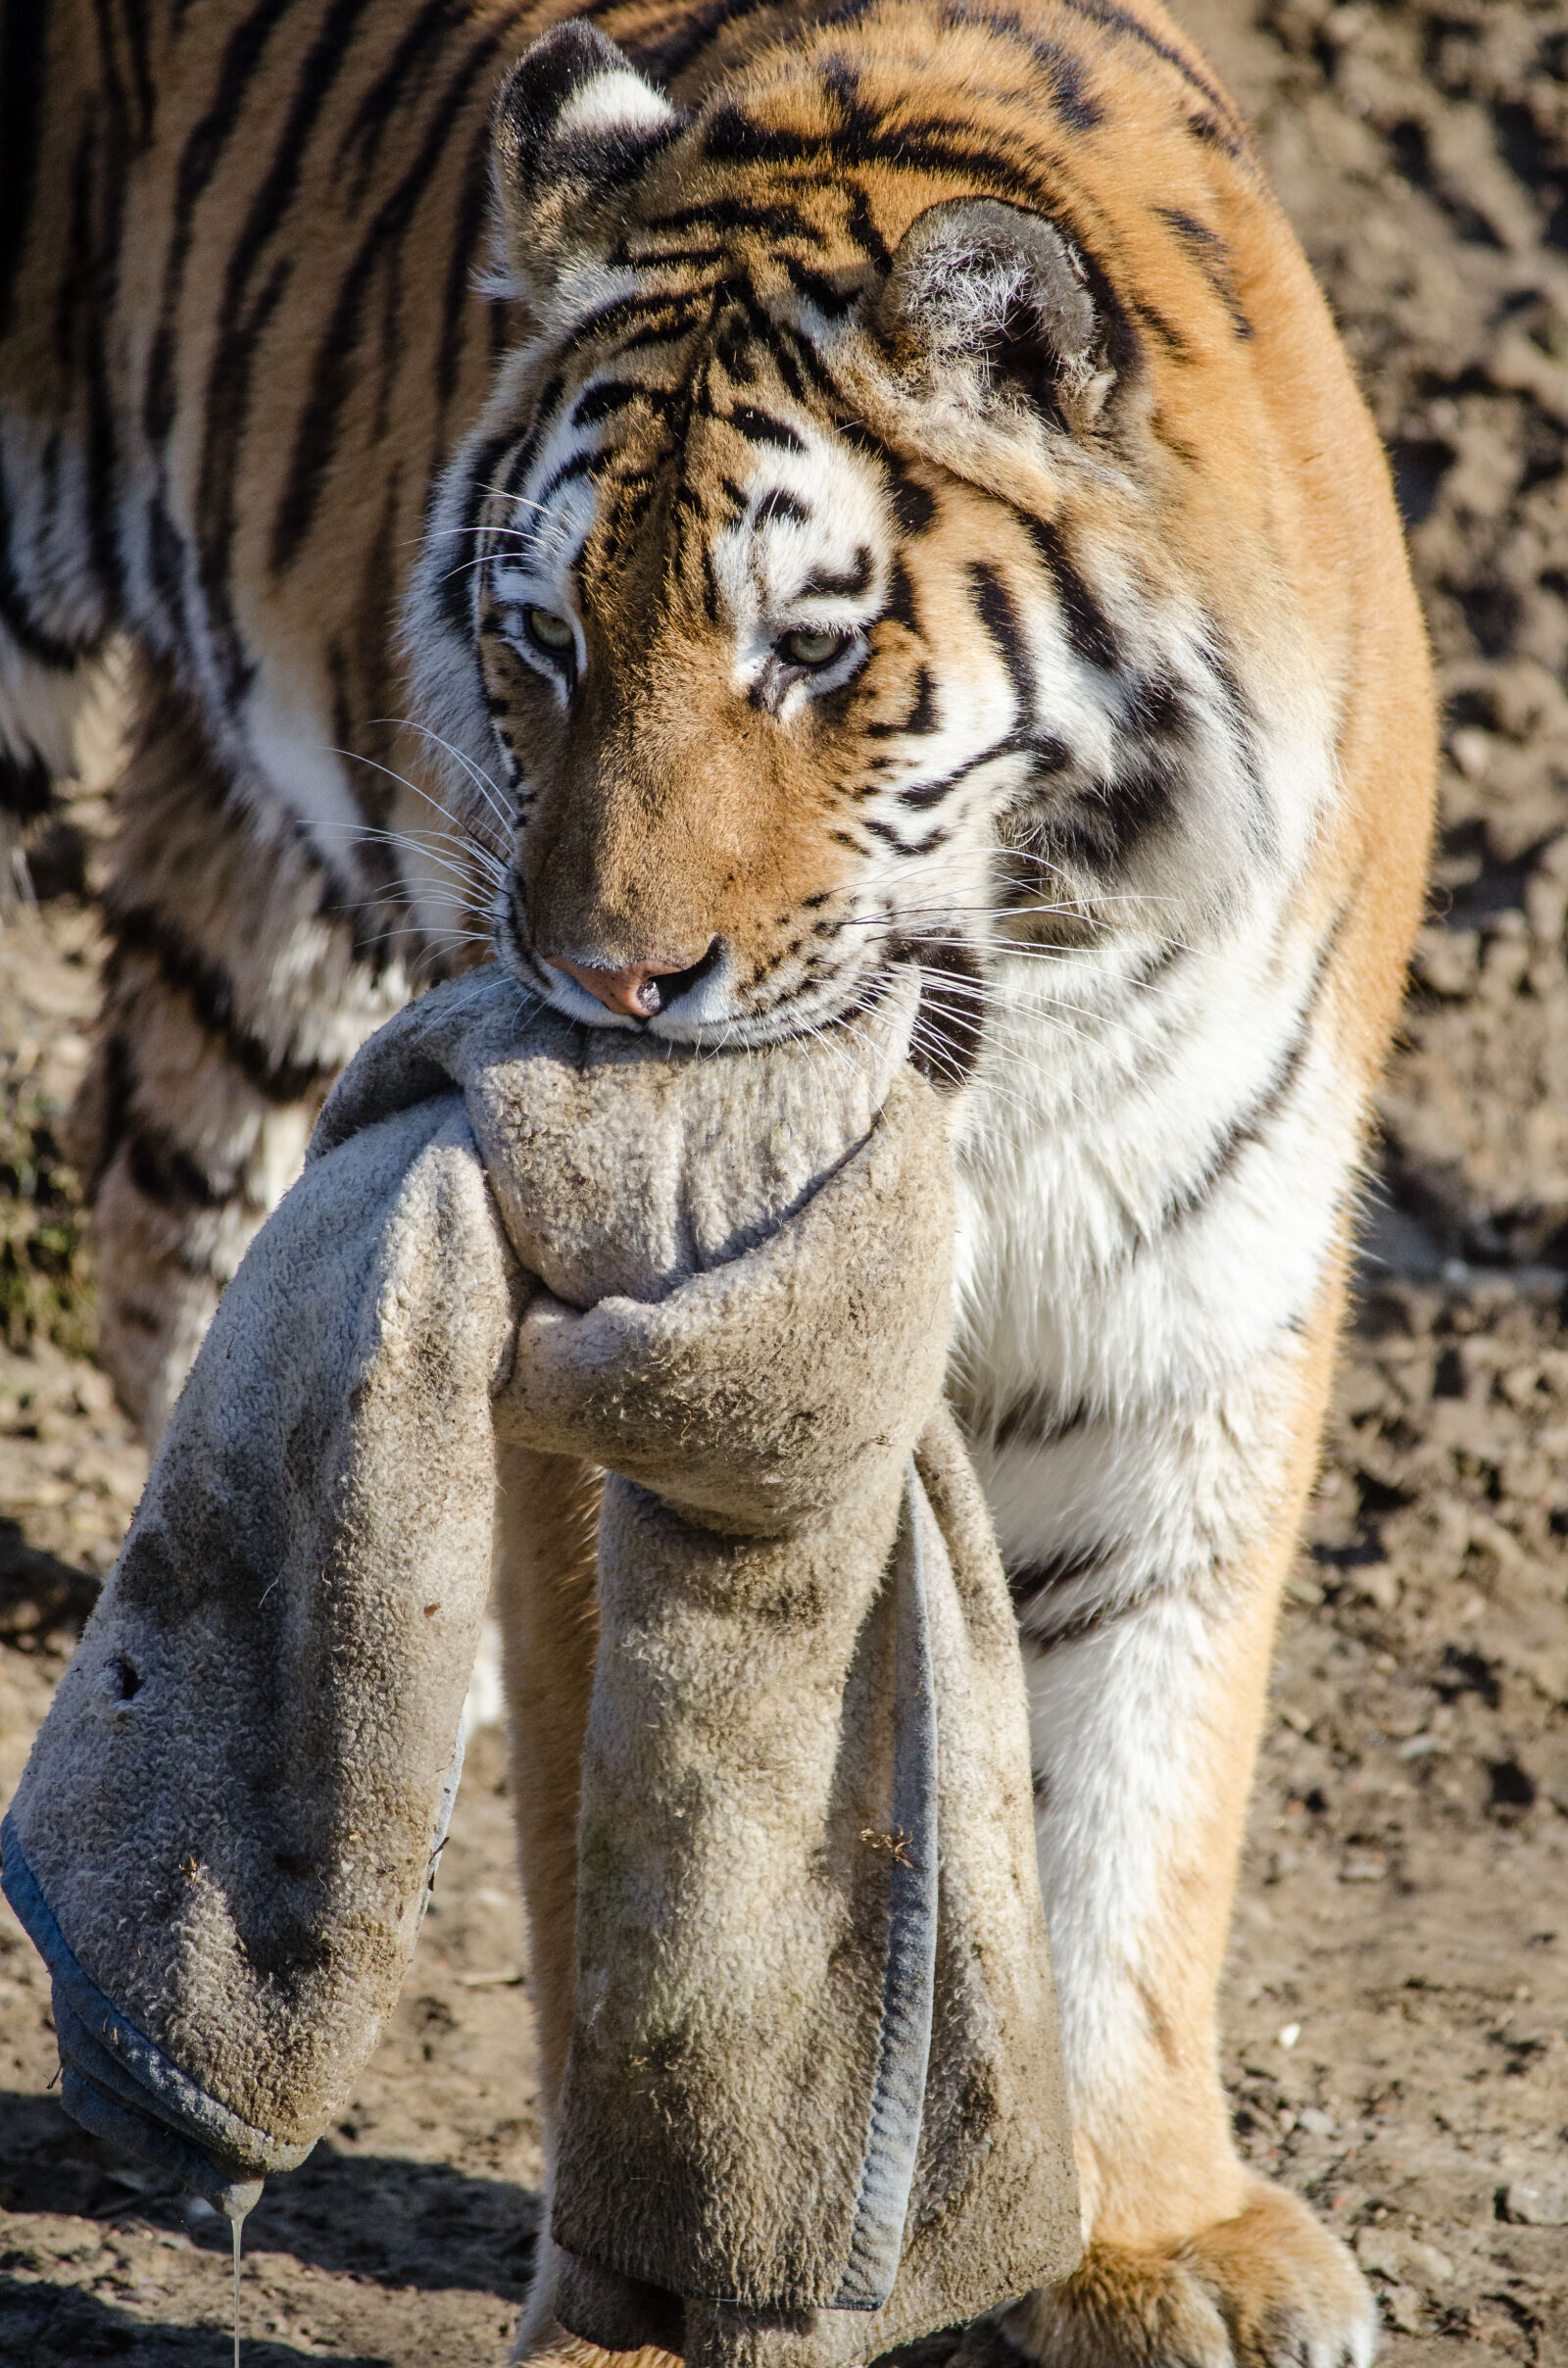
1269,2289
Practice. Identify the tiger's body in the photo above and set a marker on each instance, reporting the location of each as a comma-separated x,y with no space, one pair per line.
903,500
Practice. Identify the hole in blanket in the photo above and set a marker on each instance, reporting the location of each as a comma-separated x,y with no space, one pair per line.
118,1678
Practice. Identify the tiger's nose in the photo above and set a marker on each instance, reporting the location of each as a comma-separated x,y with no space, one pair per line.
638,990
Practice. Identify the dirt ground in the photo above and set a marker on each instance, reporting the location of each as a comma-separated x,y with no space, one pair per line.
1395,2005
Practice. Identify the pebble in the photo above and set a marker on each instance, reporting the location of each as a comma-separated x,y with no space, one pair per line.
1539,2202
1394,2254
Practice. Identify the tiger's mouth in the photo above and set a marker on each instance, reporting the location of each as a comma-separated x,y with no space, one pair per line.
938,987
702,1006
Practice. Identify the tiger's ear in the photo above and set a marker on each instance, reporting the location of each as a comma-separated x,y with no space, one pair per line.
994,297
572,121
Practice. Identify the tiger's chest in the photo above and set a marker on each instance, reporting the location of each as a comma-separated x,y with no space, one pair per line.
1151,1167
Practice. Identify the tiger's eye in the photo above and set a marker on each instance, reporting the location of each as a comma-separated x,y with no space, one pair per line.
806,649
550,631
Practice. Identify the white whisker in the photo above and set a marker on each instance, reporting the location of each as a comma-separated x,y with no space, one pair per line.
489,790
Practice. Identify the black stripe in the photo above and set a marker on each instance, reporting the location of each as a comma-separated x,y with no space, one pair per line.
166,562
922,719
783,506
939,144
332,376
1158,705
1214,134
931,793
159,1167
165,1172
794,357
580,464
913,506
458,302
859,226
900,607
1251,1123
17,612
676,329
952,1008
851,584
1243,733
23,45
831,300
98,198
1088,629
1212,256
685,305
731,348
730,213
210,992
710,600
1082,1626
694,31
786,341
1037,1421
1118,20
661,259
25,787
603,401
133,15
544,418
761,427
1058,1570
456,588
1101,825
378,105
1070,94
1166,329
199,161
1000,617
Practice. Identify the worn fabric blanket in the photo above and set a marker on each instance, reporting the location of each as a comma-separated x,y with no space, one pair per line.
812,2104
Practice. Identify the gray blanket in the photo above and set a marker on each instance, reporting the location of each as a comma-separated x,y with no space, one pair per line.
812,2103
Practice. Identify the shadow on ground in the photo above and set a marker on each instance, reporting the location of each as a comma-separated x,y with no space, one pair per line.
373,2216
44,1601
48,2326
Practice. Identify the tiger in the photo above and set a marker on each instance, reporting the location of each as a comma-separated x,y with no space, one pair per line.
706,503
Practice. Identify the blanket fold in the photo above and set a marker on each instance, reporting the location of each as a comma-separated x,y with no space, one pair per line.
812,2104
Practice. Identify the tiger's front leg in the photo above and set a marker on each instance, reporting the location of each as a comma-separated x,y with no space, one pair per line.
1148,1658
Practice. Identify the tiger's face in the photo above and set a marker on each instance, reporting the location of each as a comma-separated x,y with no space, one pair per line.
712,668
805,619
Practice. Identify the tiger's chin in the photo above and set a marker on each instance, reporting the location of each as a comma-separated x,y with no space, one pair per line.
1267,2289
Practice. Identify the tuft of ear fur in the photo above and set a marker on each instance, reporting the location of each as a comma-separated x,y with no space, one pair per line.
572,121
990,295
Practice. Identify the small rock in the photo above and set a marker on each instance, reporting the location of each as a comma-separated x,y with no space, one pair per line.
1538,2201
1315,2122
1401,2308
1392,2252
1472,750
1448,961
1380,1584
1363,1866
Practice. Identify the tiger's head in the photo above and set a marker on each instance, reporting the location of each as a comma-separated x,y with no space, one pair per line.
831,582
